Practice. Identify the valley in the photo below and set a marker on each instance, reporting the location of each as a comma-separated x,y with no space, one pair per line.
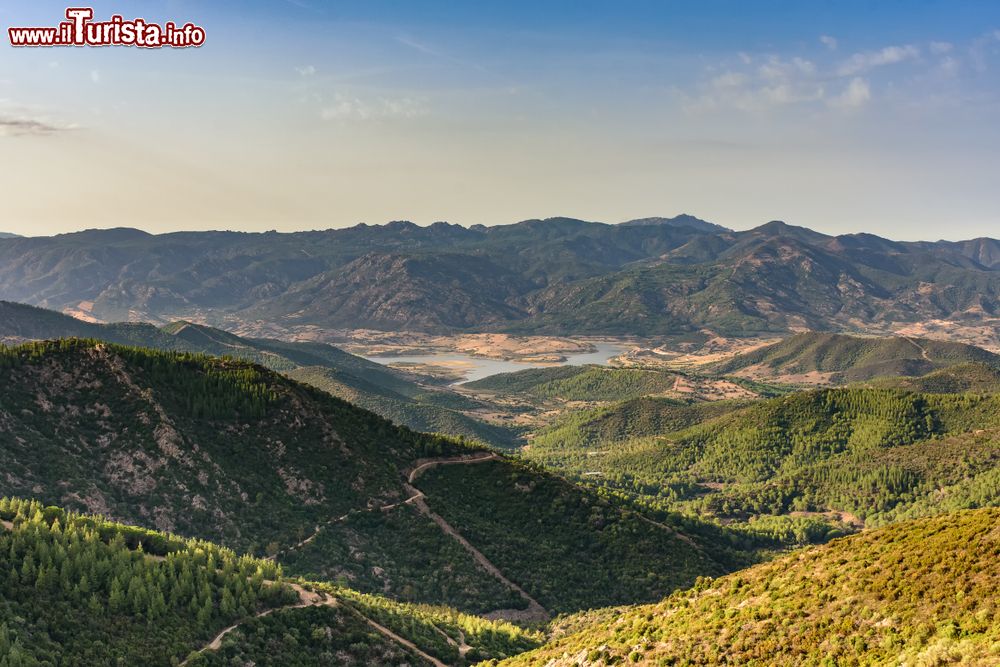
348,334
439,496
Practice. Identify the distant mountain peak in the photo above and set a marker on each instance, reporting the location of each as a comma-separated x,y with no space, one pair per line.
682,220
782,228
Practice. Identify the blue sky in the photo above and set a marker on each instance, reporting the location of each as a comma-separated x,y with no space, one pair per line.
297,114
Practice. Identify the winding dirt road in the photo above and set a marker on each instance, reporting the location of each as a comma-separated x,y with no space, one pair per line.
309,598
923,350
535,611
416,497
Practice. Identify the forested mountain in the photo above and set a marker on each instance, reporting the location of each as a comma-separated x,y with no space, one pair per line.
228,451
824,358
651,277
607,384
394,395
958,379
80,590
816,460
919,593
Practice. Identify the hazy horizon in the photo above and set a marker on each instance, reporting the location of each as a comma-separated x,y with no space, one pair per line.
838,116
499,224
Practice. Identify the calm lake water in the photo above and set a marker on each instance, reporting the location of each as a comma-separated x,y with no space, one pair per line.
478,368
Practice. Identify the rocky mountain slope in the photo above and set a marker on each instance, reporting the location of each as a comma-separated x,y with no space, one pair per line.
228,451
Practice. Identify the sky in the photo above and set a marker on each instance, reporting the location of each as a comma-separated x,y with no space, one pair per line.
843,116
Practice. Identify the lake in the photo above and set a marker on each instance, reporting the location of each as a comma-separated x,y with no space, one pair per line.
477,368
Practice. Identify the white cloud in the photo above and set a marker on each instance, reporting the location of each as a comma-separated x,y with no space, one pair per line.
982,48
855,95
890,55
948,66
306,70
353,108
937,48
829,42
776,68
95,75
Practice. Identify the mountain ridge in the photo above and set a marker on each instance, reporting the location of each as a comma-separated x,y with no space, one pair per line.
559,275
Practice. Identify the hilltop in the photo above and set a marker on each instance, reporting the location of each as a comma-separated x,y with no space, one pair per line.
606,384
405,398
825,358
915,593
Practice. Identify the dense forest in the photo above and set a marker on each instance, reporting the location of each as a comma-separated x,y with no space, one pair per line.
877,454
81,590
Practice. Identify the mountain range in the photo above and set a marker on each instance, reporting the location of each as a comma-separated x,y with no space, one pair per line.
655,276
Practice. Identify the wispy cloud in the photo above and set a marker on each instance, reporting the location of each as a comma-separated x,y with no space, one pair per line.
21,127
345,107
982,48
306,70
769,87
829,42
890,55
417,46
857,94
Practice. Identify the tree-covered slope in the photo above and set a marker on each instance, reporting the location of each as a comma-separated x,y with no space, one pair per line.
400,397
975,378
603,384
836,358
80,590
421,409
855,455
917,593
228,451
207,447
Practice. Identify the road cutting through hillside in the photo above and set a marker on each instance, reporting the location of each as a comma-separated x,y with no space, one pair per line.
923,350
416,497
309,598
535,611
420,466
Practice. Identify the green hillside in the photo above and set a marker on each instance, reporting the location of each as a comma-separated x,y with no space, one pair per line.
836,359
580,383
80,590
875,454
228,451
421,409
400,397
565,387
975,378
920,593
581,430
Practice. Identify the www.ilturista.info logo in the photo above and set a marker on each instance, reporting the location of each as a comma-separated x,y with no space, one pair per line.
81,30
